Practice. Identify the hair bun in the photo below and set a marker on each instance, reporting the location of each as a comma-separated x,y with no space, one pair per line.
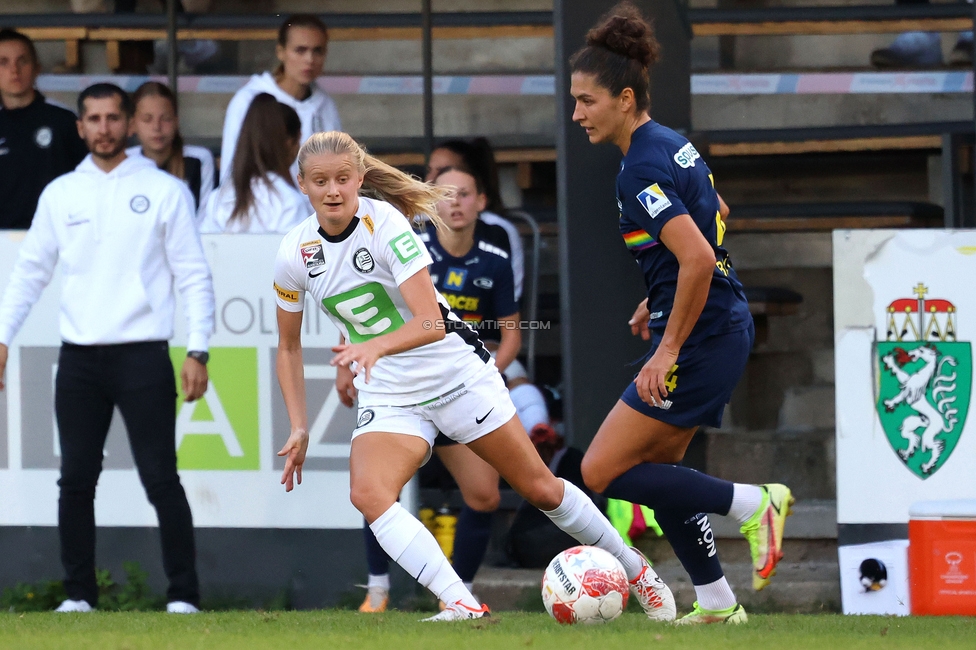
626,32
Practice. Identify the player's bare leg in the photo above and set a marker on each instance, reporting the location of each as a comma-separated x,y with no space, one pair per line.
380,464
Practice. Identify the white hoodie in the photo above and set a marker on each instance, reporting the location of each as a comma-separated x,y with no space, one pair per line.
278,207
317,113
124,239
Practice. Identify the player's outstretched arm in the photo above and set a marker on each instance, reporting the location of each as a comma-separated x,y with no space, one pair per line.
425,327
291,378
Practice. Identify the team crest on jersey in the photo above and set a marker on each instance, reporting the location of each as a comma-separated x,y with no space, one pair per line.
654,200
686,156
312,254
363,261
365,418
139,204
924,381
43,137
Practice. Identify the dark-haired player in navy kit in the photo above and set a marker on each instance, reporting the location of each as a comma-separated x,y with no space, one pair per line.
695,315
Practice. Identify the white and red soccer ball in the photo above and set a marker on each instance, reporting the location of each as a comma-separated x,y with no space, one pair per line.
584,584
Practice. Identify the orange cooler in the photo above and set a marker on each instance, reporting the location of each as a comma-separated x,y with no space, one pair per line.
942,557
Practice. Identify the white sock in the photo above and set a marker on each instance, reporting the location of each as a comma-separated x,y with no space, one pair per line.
579,518
715,595
530,405
383,581
746,499
414,548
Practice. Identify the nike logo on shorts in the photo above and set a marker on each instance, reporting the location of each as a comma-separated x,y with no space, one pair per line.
482,419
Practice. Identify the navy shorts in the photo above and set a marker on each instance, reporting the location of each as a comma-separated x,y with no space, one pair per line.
703,382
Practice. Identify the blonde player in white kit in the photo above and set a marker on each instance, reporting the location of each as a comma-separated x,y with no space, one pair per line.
418,368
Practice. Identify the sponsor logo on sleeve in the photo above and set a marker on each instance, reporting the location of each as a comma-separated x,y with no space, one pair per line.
686,156
139,204
654,200
312,255
286,295
368,222
43,137
405,247
363,261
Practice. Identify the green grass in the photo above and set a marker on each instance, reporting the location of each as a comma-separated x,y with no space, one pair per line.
335,630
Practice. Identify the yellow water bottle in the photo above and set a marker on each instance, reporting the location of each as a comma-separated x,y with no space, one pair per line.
426,516
445,524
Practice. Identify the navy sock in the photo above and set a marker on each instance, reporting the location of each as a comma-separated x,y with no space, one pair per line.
660,486
471,542
376,558
693,542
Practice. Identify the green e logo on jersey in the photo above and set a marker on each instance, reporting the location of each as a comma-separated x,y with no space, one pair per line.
368,310
405,247
220,430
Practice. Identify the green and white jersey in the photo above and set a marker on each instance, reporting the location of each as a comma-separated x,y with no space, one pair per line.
354,277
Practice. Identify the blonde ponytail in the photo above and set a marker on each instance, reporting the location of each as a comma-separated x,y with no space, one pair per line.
415,199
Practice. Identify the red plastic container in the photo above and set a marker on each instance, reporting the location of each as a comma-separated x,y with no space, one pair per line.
942,557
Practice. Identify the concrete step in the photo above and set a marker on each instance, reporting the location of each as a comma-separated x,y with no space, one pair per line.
798,587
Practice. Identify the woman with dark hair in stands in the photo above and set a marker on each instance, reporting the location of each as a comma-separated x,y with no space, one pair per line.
478,156
157,126
302,43
695,315
260,196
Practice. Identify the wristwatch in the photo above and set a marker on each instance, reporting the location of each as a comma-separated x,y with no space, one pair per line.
202,357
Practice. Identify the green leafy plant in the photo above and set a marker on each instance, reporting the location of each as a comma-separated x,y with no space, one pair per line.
134,595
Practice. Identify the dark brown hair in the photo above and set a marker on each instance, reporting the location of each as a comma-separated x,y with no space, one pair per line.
264,147
463,169
175,164
479,161
309,21
7,35
619,52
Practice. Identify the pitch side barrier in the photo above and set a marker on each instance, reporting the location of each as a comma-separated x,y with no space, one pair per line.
254,540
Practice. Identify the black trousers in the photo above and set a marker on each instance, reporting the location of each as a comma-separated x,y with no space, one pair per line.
138,378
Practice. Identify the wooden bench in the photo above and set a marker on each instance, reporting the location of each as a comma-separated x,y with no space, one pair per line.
812,21
823,217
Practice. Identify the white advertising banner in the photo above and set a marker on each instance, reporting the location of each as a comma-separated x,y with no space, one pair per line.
904,323
227,441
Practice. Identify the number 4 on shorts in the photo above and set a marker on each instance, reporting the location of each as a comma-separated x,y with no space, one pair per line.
405,247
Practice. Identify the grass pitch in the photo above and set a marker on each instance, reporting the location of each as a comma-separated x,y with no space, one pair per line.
334,630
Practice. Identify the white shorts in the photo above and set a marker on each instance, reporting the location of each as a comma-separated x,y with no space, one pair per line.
465,413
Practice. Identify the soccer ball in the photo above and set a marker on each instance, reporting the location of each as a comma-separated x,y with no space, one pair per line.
584,584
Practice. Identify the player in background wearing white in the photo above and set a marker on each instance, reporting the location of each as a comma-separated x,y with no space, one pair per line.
302,43
260,196
124,236
156,124
418,369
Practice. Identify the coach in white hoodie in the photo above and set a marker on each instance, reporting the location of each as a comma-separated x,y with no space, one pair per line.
124,233
302,43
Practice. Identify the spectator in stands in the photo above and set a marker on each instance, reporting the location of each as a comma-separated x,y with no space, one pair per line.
922,49
157,126
260,196
38,140
478,156
302,43
123,232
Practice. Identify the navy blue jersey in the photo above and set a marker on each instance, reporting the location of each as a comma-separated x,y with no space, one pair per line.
479,286
661,177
